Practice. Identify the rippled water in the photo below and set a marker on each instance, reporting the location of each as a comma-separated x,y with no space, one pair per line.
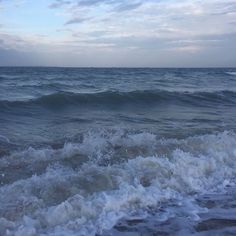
117,151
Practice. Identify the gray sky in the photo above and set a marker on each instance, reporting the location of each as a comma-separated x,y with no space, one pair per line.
129,33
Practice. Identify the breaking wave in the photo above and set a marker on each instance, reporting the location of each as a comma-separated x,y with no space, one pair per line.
84,188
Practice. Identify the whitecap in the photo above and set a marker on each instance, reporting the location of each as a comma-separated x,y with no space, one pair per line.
91,198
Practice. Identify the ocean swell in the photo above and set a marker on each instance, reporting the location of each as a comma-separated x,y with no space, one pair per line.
115,98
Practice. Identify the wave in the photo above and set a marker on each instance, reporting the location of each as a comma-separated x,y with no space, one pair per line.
112,98
85,188
231,73
4,138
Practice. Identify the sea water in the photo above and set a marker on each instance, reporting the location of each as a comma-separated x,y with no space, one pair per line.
114,151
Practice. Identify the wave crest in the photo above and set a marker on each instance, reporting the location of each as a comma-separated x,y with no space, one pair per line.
114,98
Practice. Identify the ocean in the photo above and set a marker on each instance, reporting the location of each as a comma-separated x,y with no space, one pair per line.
117,151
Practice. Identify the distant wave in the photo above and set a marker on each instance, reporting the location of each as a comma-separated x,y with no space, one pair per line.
113,98
231,73
5,76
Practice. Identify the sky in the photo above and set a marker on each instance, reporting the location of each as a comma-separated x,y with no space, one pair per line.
112,33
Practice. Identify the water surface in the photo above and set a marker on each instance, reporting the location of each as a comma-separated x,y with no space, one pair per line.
87,151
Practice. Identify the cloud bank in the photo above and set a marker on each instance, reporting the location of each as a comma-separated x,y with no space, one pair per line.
131,33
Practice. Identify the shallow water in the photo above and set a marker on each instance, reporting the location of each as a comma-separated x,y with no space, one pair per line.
117,151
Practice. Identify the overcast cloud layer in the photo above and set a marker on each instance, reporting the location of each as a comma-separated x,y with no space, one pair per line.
130,33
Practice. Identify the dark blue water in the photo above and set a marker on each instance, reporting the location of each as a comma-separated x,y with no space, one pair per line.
86,151
50,104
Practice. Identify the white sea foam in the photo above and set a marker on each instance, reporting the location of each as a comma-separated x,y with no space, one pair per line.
122,175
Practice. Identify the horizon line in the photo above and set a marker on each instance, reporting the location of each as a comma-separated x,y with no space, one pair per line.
120,67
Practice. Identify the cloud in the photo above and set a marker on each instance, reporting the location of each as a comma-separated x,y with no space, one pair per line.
10,57
122,5
129,6
59,3
222,8
94,2
77,20
111,32
11,42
